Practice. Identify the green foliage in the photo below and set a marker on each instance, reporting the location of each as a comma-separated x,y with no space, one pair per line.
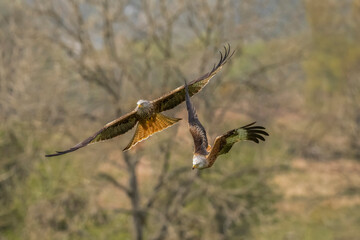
322,223
247,61
334,51
58,86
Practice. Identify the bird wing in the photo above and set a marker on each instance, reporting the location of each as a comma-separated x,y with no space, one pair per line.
224,142
112,129
196,129
177,96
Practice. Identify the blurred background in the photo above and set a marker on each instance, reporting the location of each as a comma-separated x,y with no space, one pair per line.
67,67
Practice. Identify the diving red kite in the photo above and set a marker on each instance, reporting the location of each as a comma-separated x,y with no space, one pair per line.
147,115
205,155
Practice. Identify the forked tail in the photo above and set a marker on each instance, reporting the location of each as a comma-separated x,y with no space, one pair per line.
148,127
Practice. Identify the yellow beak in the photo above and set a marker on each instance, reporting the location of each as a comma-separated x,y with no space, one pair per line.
193,167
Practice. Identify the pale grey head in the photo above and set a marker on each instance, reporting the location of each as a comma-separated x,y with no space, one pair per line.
143,103
144,108
199,162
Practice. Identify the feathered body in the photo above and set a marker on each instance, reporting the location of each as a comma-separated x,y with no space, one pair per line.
147,115
150,122
206,155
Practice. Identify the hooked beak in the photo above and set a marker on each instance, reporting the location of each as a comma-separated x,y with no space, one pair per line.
193,167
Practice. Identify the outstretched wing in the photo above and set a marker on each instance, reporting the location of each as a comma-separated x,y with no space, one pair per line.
112,129
196,129
224,143
177,96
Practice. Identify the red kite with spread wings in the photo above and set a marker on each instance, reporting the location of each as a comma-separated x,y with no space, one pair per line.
147,115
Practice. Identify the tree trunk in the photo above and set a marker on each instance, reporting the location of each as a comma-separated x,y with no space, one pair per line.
134,197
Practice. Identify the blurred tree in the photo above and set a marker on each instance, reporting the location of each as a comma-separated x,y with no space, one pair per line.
332,58
80,63
334,50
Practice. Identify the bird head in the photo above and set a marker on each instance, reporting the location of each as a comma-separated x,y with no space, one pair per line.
199,162
142,103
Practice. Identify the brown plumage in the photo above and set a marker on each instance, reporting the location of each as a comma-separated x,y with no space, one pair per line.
146,128
204,154
147,113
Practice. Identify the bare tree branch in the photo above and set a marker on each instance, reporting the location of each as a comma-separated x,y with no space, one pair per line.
114,182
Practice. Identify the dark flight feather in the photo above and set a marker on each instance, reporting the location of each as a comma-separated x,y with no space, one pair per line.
112,129
224,143
197,130
166,102
177,96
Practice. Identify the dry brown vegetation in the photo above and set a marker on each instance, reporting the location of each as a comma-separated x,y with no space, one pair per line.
67,67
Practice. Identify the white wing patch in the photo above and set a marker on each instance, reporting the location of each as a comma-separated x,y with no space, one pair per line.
240,136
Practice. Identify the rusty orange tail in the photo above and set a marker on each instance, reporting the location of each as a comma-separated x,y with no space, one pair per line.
148,127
